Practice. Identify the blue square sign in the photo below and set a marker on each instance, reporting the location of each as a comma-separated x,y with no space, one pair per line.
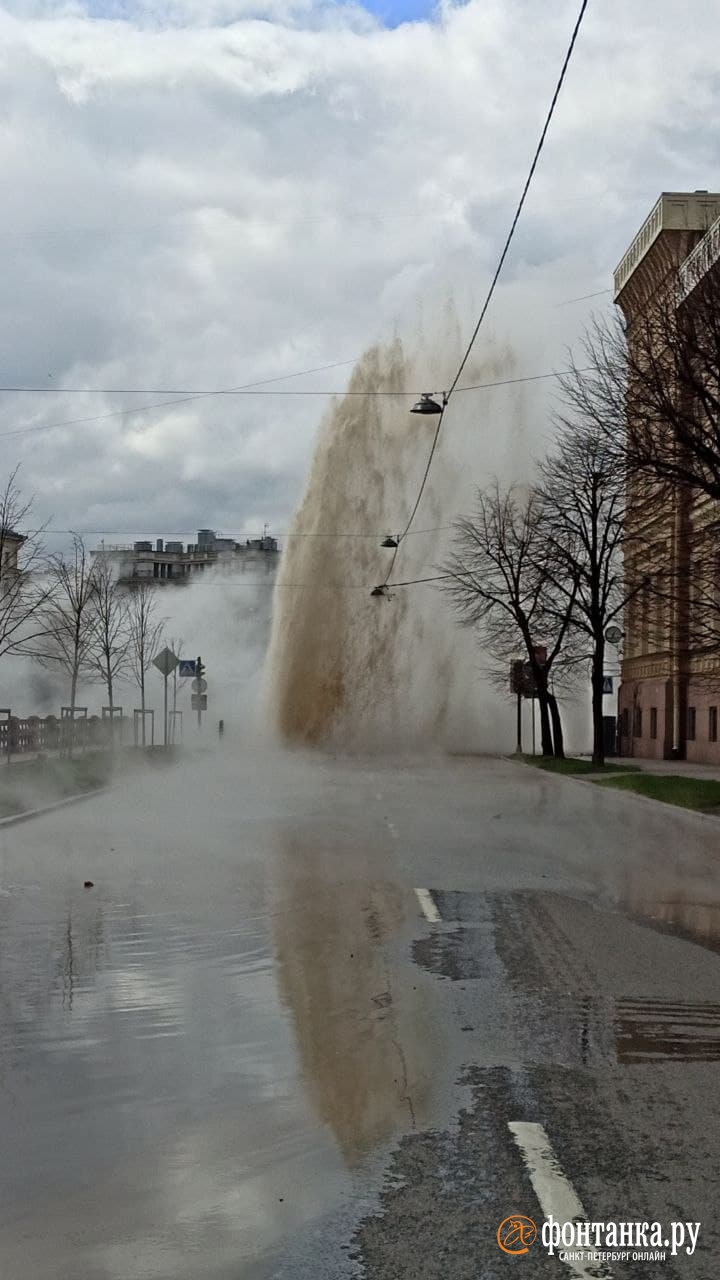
186,667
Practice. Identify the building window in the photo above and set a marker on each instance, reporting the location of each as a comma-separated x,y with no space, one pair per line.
712,724
691,724
637,728
653,722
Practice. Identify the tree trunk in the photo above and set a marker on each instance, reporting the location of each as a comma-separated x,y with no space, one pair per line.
598,663
109,681
558,739
73,700
546,739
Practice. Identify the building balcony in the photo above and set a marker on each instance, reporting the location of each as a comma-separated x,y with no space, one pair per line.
675,211
698,263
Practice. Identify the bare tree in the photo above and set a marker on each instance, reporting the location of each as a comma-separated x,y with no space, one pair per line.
109,653
68,618
146,631
582,488
651,384
24,585
499,585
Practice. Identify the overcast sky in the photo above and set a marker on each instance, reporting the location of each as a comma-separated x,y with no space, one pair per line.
198,194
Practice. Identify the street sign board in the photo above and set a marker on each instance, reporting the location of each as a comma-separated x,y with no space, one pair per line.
199,686
198,701
522,676
607,684
186,667
166,661
613,635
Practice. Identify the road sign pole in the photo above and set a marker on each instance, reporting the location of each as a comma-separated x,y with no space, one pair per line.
519,724
165,661
198,674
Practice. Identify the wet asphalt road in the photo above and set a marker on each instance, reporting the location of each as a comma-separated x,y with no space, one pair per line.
248,1053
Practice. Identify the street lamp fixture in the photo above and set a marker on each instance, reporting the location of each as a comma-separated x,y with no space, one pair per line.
390,541
427,405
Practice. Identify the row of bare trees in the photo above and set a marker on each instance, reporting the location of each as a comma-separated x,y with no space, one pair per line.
538,570
67,610
637,437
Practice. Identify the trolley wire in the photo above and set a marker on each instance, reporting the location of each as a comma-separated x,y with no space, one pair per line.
496,276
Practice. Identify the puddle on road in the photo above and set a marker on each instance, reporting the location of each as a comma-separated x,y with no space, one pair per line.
149,1092
192,1079
562,1009
363,1025
662,1030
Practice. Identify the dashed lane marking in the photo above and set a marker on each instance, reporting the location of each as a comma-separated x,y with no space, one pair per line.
427,905
554,1191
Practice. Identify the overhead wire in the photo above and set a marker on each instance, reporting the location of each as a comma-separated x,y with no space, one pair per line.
169,537
496,276
248,389
521,202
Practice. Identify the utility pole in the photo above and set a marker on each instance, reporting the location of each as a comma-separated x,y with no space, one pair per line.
199,671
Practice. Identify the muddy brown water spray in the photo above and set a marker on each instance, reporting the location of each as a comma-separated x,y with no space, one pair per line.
344,669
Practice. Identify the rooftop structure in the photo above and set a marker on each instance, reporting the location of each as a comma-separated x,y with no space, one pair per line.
686,214
174,562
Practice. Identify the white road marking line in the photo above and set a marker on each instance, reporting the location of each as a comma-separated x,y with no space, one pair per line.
555,1193
427,906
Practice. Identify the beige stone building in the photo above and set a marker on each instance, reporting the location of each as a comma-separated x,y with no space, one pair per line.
669,699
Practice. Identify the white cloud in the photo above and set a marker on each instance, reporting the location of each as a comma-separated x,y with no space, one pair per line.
206,194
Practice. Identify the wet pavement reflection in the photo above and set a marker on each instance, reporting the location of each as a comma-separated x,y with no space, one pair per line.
196,1055
363,1029
207,1058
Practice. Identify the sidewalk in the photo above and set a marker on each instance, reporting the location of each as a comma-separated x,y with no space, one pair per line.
678,768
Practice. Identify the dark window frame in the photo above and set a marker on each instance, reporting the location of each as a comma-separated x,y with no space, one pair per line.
691,724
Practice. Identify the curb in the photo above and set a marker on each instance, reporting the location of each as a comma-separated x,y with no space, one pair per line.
655,805
13,818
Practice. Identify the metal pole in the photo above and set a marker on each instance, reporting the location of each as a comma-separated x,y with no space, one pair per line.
533,722
174,709
165,717
519,724
198,674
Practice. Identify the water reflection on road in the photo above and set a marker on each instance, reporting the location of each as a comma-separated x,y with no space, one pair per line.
194,1054
205,1058
363,1030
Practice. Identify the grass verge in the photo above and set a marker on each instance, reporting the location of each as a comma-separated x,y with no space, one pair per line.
574,765
701,794
31,784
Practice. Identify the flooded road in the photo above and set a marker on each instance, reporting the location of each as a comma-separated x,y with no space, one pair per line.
248,1049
